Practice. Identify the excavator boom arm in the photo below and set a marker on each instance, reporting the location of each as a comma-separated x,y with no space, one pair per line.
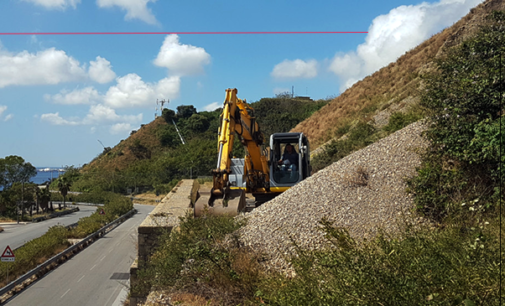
237,119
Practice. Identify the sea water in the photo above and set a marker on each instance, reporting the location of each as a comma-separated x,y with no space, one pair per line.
45,174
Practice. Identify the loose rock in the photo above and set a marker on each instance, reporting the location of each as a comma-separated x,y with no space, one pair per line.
363,192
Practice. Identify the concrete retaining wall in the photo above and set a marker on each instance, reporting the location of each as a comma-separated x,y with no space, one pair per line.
161,220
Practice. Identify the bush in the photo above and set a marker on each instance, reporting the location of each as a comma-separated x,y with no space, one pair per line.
195,258
359,136
464,101
453,266
399,120
115,206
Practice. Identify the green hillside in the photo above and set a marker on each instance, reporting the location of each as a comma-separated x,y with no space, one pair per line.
154,157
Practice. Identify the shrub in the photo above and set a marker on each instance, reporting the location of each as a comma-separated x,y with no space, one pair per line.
115,206
464,100
399,120
195,258
359,136
453,266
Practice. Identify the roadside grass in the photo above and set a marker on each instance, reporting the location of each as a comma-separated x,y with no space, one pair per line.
56,238
201,261
29,255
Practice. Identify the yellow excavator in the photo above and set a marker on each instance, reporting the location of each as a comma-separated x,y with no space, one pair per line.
262,173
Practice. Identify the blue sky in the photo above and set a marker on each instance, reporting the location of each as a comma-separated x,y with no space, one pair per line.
60,94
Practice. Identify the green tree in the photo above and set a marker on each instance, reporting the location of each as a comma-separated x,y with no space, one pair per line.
185,111
64,186
14,169
464,98
168,115
197,123
43,198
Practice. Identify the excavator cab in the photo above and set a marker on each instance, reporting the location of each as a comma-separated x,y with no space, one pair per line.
285,173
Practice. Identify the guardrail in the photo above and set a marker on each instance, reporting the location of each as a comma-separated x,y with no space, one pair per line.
84,242
78,203
54,215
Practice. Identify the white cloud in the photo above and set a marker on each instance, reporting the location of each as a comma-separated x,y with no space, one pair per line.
8,117
132,91
212,106
181,59
87,95
391,35
119,128
135,9
3,108
98,115
100,71
50,66
55,4
101,114
295,69
56,119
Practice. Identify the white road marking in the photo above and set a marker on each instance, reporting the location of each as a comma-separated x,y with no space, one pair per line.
92,267
103,258
81,278
65,293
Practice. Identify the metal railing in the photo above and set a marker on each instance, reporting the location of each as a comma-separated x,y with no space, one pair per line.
84,242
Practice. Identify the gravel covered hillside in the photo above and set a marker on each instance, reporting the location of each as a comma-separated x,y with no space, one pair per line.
362,192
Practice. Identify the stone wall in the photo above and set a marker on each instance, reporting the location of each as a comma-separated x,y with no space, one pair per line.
161,220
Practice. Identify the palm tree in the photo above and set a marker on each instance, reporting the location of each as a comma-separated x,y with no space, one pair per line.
43,196
64,187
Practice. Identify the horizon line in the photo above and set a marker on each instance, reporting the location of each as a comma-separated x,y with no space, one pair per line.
180,33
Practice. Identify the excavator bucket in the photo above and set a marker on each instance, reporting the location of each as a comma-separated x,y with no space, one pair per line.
232,204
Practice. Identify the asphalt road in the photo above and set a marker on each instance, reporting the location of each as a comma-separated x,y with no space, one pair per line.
95,276
15,235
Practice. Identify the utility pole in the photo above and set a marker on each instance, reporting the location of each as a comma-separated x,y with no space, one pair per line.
162,102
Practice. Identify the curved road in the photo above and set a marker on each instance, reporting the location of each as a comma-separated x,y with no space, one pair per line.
15,235
98,275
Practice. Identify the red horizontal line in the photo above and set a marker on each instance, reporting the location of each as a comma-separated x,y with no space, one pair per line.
180,33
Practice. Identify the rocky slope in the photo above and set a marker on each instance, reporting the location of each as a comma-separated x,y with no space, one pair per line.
363,192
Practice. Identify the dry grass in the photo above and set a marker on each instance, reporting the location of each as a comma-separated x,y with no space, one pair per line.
1,229
358,178
148,198
392,83
120,157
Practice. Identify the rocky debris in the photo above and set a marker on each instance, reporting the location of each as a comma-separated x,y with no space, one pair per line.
158,298
363,192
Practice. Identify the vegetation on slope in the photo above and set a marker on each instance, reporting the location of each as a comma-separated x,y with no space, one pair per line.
453,262
465,103
155,158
